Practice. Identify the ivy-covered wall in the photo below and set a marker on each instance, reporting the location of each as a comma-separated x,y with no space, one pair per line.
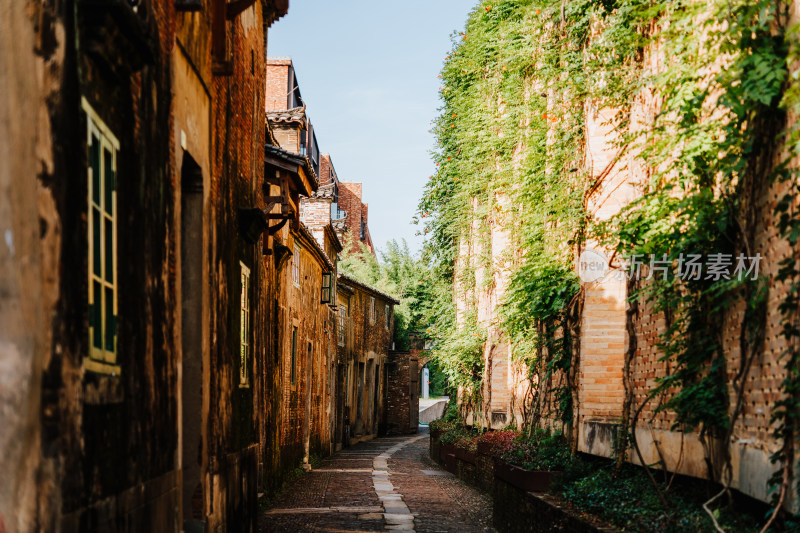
627,127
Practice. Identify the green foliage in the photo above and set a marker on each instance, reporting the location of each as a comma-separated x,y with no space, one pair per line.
511,152
540,450
459,355
402,275
628,501
438,380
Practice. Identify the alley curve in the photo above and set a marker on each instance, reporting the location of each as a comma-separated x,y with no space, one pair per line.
387,484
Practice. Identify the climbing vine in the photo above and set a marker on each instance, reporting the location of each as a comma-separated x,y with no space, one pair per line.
704,107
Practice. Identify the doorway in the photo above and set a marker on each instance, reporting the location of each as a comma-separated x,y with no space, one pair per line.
192,339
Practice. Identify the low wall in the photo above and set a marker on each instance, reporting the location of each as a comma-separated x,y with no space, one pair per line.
514,510
432,412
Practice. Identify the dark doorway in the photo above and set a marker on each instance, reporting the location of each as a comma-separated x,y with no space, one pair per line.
359,423
192,338
340,400
375,409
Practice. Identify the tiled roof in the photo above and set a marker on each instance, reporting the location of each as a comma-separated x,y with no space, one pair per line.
348,278
306,231
293,158
296,114
325,191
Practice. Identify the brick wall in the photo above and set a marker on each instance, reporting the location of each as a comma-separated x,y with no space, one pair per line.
326,172
604,339
277,83
315,213
400,405
367,344
305,391
288,136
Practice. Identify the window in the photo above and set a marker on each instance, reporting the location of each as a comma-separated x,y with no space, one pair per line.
371,309
342,325
296,266
386,316
102,243
327,287
363,229
294,354
244,327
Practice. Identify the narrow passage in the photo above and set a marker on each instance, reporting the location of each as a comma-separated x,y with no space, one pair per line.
387,484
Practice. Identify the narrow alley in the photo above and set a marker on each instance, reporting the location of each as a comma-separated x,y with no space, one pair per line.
387,484
516,265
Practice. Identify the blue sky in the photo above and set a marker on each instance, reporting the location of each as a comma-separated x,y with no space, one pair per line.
368,74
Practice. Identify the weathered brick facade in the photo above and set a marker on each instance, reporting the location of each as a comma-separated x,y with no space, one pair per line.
357,221
402,400
610,326
367,316
164,120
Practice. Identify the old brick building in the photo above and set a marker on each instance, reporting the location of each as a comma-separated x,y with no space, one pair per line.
404,369
356,228
618,355
286,111
136,356
366,322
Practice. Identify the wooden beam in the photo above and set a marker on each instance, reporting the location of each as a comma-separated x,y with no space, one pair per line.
219,41
237,7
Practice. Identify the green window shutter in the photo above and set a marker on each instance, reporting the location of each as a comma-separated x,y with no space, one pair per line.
326,287
108,231
110,181
109,333
94,165
96,317
96,244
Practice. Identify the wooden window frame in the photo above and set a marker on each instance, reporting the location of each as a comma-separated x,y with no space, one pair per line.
342,326
244,327
102,360
296,266
293,362
326,295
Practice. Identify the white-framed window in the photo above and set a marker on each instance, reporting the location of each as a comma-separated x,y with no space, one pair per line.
296,266
371,309
342,324
386,316
102,148
244,327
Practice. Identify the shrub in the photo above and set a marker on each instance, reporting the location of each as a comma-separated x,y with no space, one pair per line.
539,451
498,442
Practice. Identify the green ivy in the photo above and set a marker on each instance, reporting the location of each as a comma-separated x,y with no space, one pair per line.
511,152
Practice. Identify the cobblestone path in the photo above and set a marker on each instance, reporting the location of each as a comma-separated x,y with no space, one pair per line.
387,484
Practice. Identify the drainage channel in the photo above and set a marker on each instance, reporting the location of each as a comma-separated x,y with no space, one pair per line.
395,511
